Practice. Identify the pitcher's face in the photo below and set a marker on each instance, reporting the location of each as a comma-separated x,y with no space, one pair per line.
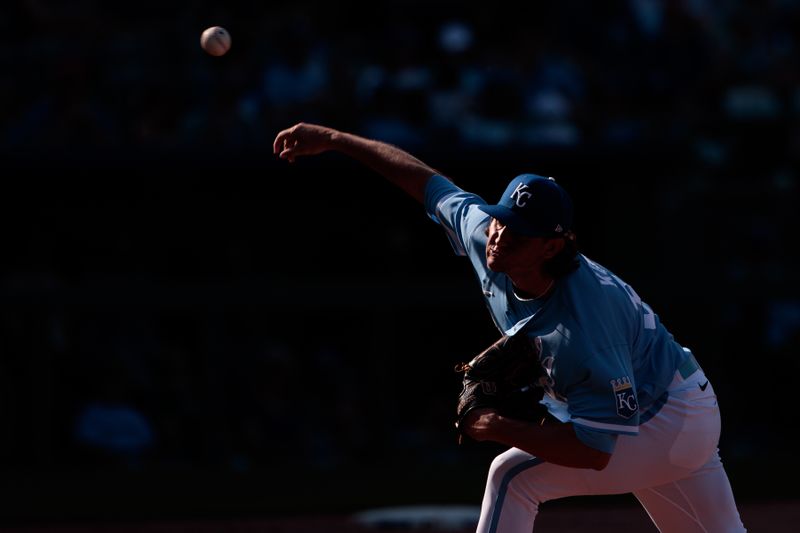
509,252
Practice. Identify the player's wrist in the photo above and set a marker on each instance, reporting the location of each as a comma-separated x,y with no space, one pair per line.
480,424
334,138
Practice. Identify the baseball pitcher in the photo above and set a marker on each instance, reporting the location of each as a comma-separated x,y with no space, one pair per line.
631,410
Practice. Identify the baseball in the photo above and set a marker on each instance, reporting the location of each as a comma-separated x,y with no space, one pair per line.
216,40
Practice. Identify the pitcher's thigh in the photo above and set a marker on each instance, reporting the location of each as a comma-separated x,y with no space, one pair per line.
517,483
700,503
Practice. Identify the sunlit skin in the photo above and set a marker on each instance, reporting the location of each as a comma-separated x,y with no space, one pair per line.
521,258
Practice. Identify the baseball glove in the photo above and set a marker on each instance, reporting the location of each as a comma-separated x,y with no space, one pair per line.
502,377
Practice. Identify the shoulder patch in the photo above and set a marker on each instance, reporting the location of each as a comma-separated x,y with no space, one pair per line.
624,397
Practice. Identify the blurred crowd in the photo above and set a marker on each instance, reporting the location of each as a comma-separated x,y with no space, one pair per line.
567,74
129,377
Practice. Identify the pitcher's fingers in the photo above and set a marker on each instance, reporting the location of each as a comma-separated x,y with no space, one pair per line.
277,144
287,153
280,141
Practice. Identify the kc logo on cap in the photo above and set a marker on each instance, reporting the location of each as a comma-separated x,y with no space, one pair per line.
521,195
533,205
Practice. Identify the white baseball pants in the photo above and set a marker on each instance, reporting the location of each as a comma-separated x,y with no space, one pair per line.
672,467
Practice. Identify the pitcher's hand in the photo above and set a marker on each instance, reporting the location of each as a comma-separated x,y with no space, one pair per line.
302,139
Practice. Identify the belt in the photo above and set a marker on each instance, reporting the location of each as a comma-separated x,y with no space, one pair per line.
689,366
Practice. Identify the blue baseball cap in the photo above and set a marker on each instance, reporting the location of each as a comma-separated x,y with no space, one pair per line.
534,206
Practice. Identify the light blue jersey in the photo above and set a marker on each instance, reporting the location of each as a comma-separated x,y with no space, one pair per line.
608,359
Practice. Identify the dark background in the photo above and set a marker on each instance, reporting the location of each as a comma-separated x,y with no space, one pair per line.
193,328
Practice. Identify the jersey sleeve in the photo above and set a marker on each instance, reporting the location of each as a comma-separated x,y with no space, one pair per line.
455,210
603,404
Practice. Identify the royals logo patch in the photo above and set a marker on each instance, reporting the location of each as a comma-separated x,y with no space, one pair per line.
625,397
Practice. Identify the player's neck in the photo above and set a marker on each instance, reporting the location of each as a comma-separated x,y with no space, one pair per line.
533,289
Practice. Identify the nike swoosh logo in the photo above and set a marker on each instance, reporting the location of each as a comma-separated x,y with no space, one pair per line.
703,386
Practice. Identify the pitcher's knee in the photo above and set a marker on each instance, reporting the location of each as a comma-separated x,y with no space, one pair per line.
506,462
510,476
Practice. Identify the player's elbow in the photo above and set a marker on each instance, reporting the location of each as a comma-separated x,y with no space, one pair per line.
597,460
